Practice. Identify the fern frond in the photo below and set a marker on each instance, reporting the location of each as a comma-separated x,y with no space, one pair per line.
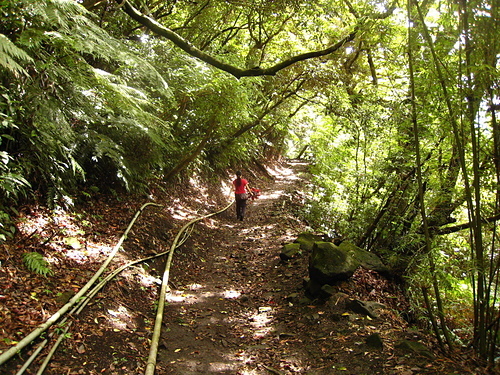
36,263
58,13
11,183
7,227
9,52
83,122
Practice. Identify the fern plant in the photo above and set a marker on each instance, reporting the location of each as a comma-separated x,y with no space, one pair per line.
36,263
87,112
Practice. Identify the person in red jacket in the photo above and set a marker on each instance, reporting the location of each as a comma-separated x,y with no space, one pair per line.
241,193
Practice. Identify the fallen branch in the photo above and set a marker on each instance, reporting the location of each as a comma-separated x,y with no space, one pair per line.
81,305
61,337
78,309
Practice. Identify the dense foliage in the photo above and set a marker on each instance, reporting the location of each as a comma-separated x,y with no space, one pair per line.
397,103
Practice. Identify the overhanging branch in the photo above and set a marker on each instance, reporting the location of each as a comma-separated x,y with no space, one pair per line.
457,228
187,47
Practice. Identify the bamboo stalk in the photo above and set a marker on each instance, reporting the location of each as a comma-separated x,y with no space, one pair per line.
53,349
153,351
32,357
80,306
425,294
87,299
5,356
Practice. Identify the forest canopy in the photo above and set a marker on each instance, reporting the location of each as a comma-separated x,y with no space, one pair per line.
394,103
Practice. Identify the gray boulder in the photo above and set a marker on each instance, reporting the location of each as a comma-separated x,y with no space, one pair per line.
329,264
365,308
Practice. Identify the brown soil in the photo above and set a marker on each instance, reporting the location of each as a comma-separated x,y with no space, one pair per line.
234,306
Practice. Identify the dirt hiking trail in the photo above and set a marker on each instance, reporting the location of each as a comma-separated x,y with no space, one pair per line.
228,312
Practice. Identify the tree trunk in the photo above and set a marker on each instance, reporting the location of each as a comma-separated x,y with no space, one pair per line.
428,239
184,162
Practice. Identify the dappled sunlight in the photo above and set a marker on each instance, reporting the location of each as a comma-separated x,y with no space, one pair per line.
31,224
211,223
180,212
222,300
189,298
220,367
203,196
203,310
198,295
184,213
261,322
271,195
230,294
233,312
195,286
176,297
266,232
119,318
69,239
148,280
284,174
228,225
261,229
247,230
90,252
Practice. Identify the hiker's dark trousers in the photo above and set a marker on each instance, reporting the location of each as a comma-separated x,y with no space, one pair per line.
241,205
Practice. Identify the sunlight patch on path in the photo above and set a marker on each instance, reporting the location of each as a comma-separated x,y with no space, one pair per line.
199,296
262,322
271,196
284,174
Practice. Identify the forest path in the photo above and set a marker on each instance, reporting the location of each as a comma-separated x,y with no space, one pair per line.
227,315
238,309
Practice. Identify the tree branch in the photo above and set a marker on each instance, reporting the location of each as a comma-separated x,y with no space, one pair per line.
187,47
457,228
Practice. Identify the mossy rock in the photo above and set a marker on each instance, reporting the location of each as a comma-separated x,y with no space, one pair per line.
307,240
365,258
329,264
374,341
414,347
290,250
